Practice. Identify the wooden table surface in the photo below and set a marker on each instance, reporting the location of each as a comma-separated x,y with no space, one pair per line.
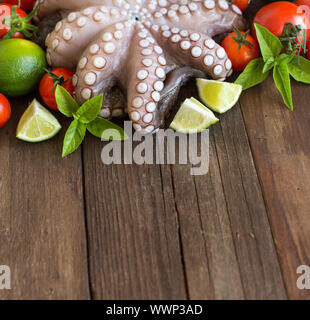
77,229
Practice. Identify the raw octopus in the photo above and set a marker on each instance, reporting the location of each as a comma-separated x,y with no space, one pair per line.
146,48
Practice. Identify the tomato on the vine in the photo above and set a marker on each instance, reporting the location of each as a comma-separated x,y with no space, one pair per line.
276,15
241,4
50,80
5,110
26,5
5,14
241,48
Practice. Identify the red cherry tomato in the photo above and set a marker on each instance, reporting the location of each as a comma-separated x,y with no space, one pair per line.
26,5
5,12
5,110
239,50
241,4
59,76
275,15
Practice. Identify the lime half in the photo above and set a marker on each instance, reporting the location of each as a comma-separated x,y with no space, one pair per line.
37,124
218,96
193,117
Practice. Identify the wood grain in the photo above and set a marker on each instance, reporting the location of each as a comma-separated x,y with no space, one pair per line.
134,247
227,243
280,143
42,232
217,225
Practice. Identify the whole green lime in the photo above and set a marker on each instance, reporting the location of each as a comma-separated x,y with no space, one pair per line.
22,65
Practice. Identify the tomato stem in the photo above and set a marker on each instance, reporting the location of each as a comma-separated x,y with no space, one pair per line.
21,25
294,39
57,80
241,38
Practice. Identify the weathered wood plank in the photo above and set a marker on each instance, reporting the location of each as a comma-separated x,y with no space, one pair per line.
42,231
227,242
280,143
133,233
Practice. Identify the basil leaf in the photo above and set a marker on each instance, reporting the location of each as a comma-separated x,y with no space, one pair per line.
268,64
270,45
299,69
281,78
287,58
73,138
106,130
253,74
89,110
66,104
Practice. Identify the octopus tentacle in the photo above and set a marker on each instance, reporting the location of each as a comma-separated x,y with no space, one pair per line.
48,7
73,33
194,49
212,17
146,81
135,44
97,69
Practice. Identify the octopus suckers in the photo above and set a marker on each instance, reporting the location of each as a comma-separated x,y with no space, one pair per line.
209,43
71,17
156,96
67,34
107,36
195,36
135,116
208,60
142,87
221,53
217,70
81,22
185,45
223,4
158,49
105,113
150,107
137,102
86,93
160,72
90,78
82,63
209,4
109,47
176,38
196,52
146,52
158,86
147,62
142,74
118,35
94,49
147,118
99,62
228,64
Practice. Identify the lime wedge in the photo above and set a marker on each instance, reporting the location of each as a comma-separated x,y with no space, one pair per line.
37,124
193,117
218,96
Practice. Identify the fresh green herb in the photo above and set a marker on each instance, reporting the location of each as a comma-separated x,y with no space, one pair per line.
283,65
253,74
85,118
